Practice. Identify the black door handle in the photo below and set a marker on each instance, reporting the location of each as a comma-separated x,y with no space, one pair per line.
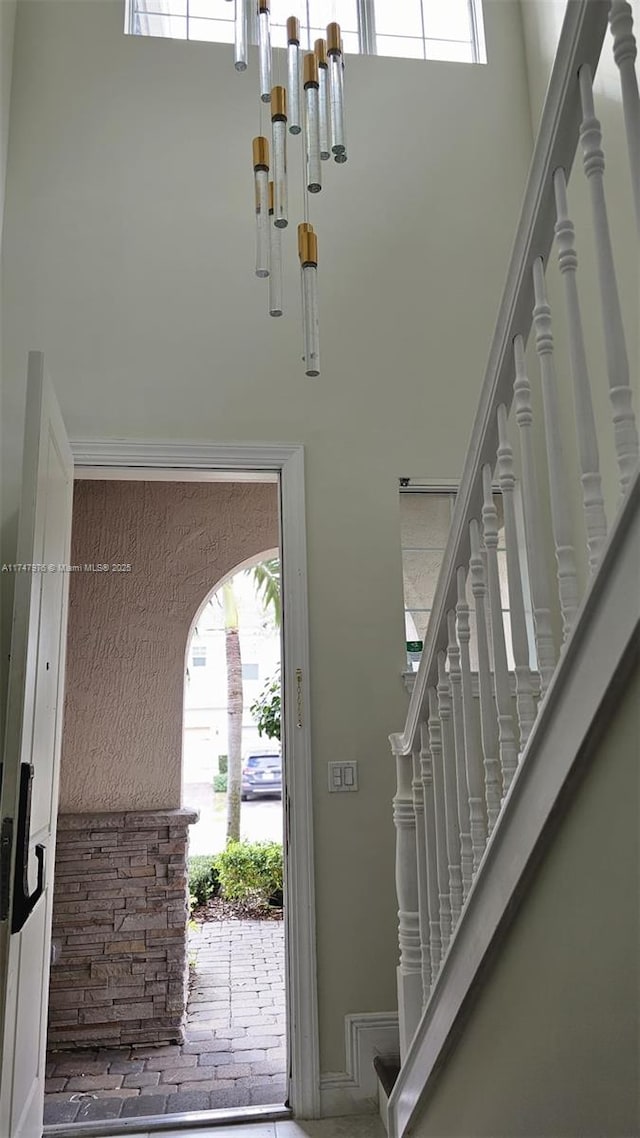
23,903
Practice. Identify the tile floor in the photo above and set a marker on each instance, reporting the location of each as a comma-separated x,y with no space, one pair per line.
367,1126
235,1050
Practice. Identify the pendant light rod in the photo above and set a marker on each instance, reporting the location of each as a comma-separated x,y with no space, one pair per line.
320,49
279,141
293,74
275,275
241,34
308,254
312,123
261,179
336,90
264,49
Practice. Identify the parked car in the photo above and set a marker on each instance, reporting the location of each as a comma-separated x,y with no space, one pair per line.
262,774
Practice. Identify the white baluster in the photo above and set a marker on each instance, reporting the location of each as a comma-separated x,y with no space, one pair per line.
475,773
624,424
437,770
538,577
506,726
464,819
560,516
410,967
624,53
488,720
431,852
423,889
593,502
450,790
525,702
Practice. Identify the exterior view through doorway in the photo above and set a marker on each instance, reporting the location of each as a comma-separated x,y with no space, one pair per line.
128,1035
294,1069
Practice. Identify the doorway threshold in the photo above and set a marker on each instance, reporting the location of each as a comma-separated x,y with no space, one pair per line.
159,1123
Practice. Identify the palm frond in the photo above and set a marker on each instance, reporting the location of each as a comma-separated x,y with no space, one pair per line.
266,577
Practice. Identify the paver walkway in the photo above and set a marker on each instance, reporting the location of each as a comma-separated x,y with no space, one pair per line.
235,1049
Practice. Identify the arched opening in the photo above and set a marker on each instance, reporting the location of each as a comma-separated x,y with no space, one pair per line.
232,775
254,588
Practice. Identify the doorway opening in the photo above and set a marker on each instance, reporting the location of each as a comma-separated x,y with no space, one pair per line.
124,1041
232,698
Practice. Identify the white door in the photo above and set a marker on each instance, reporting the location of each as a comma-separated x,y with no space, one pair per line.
29,800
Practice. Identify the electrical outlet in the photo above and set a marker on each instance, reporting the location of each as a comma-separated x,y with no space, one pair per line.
343,777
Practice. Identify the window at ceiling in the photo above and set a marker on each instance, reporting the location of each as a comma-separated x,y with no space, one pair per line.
417,29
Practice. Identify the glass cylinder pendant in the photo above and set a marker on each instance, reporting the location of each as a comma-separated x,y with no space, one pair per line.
308,253
275,275
341,155
279,142
312,123
264,50
336,89
261,177
241,32
320,49
293,74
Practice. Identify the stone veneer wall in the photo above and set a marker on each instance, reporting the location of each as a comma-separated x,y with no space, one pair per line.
120,928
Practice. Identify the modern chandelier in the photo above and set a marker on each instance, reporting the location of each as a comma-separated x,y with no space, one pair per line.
312,106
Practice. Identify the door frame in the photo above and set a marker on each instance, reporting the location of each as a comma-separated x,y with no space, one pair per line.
287,460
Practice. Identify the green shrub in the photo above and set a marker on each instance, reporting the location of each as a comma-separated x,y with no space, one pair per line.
204,881
223,764
220,783
251,872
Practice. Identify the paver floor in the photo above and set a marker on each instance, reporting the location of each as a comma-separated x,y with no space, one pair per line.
235,1049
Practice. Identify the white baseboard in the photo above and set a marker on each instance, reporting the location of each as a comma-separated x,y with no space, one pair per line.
355,1091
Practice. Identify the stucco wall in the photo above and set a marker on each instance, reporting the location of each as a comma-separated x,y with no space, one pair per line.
551,1047
122,740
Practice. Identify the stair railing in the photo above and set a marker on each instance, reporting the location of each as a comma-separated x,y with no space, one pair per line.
458,756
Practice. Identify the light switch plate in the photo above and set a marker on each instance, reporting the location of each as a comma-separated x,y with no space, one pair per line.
343,777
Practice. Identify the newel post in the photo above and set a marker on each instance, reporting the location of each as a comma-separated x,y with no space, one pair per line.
410,966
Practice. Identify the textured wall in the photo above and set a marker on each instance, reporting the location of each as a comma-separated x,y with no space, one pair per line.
122,743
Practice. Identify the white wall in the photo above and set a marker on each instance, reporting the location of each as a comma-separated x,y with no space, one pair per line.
7,26
129,262
551,1045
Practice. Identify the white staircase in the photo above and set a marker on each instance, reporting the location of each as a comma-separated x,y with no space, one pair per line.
487,754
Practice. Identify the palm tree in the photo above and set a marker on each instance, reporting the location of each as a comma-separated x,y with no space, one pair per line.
266,576
234,711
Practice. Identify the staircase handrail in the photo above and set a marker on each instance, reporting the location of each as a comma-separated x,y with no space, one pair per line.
580,42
